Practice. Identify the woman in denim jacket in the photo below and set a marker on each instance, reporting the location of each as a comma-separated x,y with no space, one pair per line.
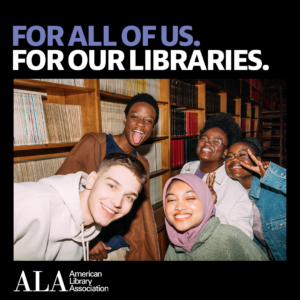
267,191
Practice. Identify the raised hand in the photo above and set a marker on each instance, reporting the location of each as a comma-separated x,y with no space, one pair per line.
209,183
259,168
98,251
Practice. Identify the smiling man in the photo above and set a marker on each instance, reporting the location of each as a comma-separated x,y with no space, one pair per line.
232,203
138,228
56,217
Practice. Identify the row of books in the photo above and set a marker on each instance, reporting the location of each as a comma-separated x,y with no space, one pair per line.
245,90
212,102
255,95
253,125
183,151
232,85
33,171
244,124
244,108
231,105
42,123
131,87
253,112
175,172
74,82
153,154
182,93
113,115
156,189
184,123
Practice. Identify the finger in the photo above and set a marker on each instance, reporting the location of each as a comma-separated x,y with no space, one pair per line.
212,178
104,254
253,157
252,168
106,247
262,170
207,179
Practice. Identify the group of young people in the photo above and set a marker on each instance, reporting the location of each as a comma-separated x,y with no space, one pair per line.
228,205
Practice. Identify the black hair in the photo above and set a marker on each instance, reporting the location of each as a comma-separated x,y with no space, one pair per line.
255,145
225,122
143,97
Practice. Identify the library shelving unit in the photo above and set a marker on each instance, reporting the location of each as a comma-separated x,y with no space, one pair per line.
86,97
272,123
89,98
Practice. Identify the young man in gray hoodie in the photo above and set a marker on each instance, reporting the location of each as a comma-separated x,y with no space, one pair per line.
56,217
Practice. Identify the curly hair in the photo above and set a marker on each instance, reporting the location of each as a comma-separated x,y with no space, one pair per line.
143,97
225,122
255,145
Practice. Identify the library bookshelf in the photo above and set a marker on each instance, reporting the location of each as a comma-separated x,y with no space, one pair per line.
90,98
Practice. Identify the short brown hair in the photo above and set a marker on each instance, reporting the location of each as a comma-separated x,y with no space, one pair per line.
126,160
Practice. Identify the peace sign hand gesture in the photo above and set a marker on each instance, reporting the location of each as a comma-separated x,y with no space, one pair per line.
259,168
209,183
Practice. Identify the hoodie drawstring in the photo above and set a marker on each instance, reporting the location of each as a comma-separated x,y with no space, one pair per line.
86,247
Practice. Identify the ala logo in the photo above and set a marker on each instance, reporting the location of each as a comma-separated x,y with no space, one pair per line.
58,281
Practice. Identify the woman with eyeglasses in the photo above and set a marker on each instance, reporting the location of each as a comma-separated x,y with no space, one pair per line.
267,191
231,200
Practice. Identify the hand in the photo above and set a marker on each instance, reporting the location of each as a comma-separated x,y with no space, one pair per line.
259,168
209,183
265,164
98,251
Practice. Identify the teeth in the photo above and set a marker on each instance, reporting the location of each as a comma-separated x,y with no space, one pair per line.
236,167
206,149
109,210
182,216
139,131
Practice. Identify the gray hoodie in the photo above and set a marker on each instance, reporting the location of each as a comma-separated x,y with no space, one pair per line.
48,222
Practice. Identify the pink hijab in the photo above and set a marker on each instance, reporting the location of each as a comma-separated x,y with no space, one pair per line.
186,239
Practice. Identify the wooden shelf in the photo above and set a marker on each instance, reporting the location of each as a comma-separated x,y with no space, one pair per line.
174,105
246,117
158,173
270,112
177,168
157,205
176,137
155,139
271,155
46,87
217,87
44,146
119,98
253,103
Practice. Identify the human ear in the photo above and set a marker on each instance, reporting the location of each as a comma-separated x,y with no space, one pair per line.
225,152
124,121
91,180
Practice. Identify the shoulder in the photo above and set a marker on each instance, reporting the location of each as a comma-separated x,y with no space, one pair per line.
190,167
92,137
143,160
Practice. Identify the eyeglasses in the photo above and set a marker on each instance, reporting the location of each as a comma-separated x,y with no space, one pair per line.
213,141
241,155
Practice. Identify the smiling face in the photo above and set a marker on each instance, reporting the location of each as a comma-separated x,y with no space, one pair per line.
182,206
139,123
112,195
210,152
233,167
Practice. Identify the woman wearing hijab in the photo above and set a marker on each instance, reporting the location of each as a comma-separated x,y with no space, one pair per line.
194,231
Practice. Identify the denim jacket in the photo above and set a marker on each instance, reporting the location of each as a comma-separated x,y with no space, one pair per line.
269,195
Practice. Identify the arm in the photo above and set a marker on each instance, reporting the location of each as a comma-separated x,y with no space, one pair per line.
275,177
81,158
31,228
